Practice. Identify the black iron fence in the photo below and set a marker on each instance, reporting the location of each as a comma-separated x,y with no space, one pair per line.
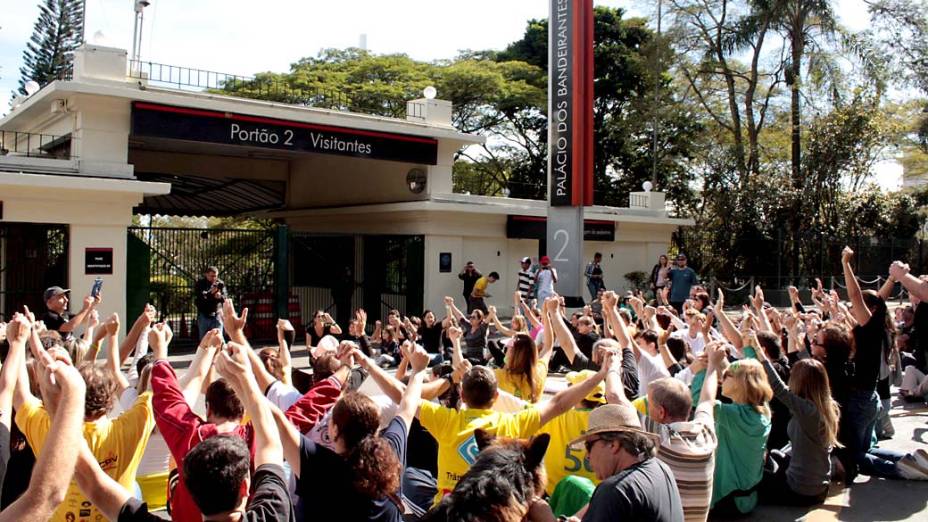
30,144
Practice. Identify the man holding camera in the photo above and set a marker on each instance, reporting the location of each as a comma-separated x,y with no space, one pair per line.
209,292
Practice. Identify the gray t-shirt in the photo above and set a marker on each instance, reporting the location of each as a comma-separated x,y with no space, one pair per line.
645,491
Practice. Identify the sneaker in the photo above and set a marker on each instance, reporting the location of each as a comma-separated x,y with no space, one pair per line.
921,458
910,469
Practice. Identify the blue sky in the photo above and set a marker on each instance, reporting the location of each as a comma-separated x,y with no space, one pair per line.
239,37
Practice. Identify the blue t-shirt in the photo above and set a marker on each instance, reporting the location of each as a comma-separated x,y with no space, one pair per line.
681,280
326,477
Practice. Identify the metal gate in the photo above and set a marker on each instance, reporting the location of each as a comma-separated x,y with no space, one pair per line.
165,263
33,257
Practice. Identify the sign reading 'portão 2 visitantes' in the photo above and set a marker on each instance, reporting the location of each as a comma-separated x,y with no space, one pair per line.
182,123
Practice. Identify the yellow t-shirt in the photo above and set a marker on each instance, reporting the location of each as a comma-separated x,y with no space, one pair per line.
518,385
480,287
561,460
118,445
454,431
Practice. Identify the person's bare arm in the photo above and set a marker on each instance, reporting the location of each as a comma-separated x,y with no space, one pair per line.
191,382
572,395
284,356
409,403
664,351
143,321
710,385
289,438
261,375
78,318
915,286
758,302
111,326
62,386
455,334
391,387
456,314
619,328
500,327
233,365
17,334
728,328
530,314
615,390
859,311
563,336
104,493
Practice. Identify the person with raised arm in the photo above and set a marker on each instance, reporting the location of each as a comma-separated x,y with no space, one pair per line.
181,427
476,331
216,470
364,469
119,443
64,390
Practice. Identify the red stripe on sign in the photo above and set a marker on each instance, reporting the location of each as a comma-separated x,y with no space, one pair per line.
588,112
576,104
286,123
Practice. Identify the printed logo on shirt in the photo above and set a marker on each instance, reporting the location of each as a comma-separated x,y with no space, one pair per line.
468,450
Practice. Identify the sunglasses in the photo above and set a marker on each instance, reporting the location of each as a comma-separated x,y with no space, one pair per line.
589,443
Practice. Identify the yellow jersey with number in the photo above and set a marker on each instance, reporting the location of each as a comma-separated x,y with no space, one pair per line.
454,431
561,460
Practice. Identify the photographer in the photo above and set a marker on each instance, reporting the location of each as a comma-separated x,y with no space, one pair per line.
209,292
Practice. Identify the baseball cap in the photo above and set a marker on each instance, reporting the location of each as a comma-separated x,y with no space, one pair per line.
611,418
599,392
55,291
545,260
681,256
526,260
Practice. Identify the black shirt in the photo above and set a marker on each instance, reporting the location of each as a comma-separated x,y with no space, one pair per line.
54,321
920,337
208,303
269,500
868,347
4,452
646,491
470,279
430,337
313,338
326,483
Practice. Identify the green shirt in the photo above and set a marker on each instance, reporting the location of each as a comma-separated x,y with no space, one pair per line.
742,439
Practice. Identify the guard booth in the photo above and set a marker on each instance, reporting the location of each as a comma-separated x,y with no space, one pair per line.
356,210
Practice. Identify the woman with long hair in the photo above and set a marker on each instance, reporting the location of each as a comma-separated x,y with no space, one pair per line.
742,427
525,370
870,338
802,476
360,479
659,275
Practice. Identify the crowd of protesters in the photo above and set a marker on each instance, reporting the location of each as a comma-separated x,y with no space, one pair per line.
669,409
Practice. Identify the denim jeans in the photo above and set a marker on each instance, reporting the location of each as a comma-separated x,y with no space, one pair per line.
862,412
206,323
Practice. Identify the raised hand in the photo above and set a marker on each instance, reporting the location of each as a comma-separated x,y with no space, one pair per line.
720,303
231,321
18,329
232,363
93,319
449,301
758,299
610,298
552,304
418,358
455,333
111,324
158,339
846,255
898,270
716,353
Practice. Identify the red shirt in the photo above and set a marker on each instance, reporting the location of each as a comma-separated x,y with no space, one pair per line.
182,430
312,407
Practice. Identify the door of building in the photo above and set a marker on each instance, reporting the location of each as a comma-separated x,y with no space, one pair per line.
33,257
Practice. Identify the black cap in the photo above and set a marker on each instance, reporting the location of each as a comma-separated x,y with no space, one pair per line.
55,291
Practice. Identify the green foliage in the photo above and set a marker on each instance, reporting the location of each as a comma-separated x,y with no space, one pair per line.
55,36
638,280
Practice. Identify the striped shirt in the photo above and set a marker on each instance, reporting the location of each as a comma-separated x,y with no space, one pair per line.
688,449
526,283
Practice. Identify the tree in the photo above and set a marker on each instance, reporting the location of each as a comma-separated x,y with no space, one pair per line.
56,35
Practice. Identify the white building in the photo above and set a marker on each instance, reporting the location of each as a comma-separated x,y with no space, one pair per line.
370,193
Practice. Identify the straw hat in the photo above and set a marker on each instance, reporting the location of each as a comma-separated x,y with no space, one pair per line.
612,418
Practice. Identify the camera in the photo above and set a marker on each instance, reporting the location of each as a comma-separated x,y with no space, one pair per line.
220,285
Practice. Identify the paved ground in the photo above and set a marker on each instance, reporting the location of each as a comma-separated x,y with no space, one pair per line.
867,500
